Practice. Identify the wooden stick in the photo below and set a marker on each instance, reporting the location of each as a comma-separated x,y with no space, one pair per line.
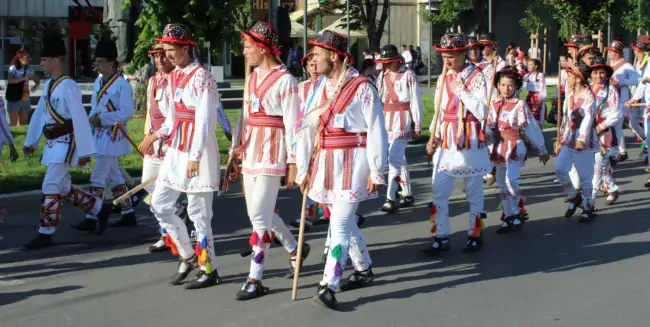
134,190
490,91
544,53
437,107
121,128
560,111
638,105
301,237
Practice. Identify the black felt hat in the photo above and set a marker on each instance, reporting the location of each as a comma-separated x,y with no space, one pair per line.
389,53
53,44
106,47
600,62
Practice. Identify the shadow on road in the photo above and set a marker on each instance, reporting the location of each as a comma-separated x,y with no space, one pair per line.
13,297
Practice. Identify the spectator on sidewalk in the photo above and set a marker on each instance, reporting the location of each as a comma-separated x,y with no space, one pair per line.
408,57
18,91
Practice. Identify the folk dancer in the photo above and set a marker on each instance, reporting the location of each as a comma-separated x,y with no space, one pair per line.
578,141
513,129
341,155
112,106
560,90
62,119
400,93
535,83
476,57
267,125
159,106
490,50
458,145
624,77
607,117
641,94
188,166
307,92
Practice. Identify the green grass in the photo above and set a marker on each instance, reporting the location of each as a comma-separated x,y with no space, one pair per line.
27,172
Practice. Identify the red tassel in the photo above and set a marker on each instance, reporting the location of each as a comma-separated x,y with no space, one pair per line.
266,238
310,211
326,212
254,240
170,244
197,249
434,228
398,179
277,211
503,215
481,136
433,210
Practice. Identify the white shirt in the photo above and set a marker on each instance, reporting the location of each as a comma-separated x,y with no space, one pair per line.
407,56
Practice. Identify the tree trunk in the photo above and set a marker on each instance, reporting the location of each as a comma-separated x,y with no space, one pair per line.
123,31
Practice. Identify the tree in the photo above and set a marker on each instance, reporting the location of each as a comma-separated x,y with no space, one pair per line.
580,16
362,16
447,14
537,16
214,21
638,17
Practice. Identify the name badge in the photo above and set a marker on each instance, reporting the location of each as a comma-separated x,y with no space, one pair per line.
602,93
159,93
504,116
398,86
178,96
255,104
339,121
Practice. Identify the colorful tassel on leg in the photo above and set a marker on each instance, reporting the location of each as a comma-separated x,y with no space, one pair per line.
432,216
170,244
202,254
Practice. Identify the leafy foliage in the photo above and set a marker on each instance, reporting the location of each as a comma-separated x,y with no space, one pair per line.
363,15
580,16
447,15
637,17
213,21
537,16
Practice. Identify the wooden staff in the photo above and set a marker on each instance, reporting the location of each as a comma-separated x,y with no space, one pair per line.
240,127
544,58
437,109
638,105
301,237
301,228
560,110
491,90
126,135
134,190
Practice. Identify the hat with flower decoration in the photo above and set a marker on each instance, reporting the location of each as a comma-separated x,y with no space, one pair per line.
158,48
473,42
579,70
176,34
263,35
642,44
335,42
487,39
616,46
451,43
389,53
600,62
574,41
305,58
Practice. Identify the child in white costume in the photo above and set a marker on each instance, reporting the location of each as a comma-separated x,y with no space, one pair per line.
512,128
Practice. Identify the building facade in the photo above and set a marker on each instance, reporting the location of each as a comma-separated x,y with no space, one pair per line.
19,19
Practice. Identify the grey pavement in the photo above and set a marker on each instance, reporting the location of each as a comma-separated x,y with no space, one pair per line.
556,272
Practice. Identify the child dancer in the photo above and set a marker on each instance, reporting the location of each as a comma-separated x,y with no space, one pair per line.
513,129
535,83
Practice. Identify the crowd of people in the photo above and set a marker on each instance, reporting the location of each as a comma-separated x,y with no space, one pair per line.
332,135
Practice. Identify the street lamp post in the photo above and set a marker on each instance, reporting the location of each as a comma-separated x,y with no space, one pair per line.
430,49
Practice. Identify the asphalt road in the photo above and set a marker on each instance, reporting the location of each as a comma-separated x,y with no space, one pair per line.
556,272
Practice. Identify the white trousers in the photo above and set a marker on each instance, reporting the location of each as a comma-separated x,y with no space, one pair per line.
508,180
343,223
261,194
57,188
107,168
602,176
618,129
358,250
199,210
583,161
637,128
397,166
443,185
